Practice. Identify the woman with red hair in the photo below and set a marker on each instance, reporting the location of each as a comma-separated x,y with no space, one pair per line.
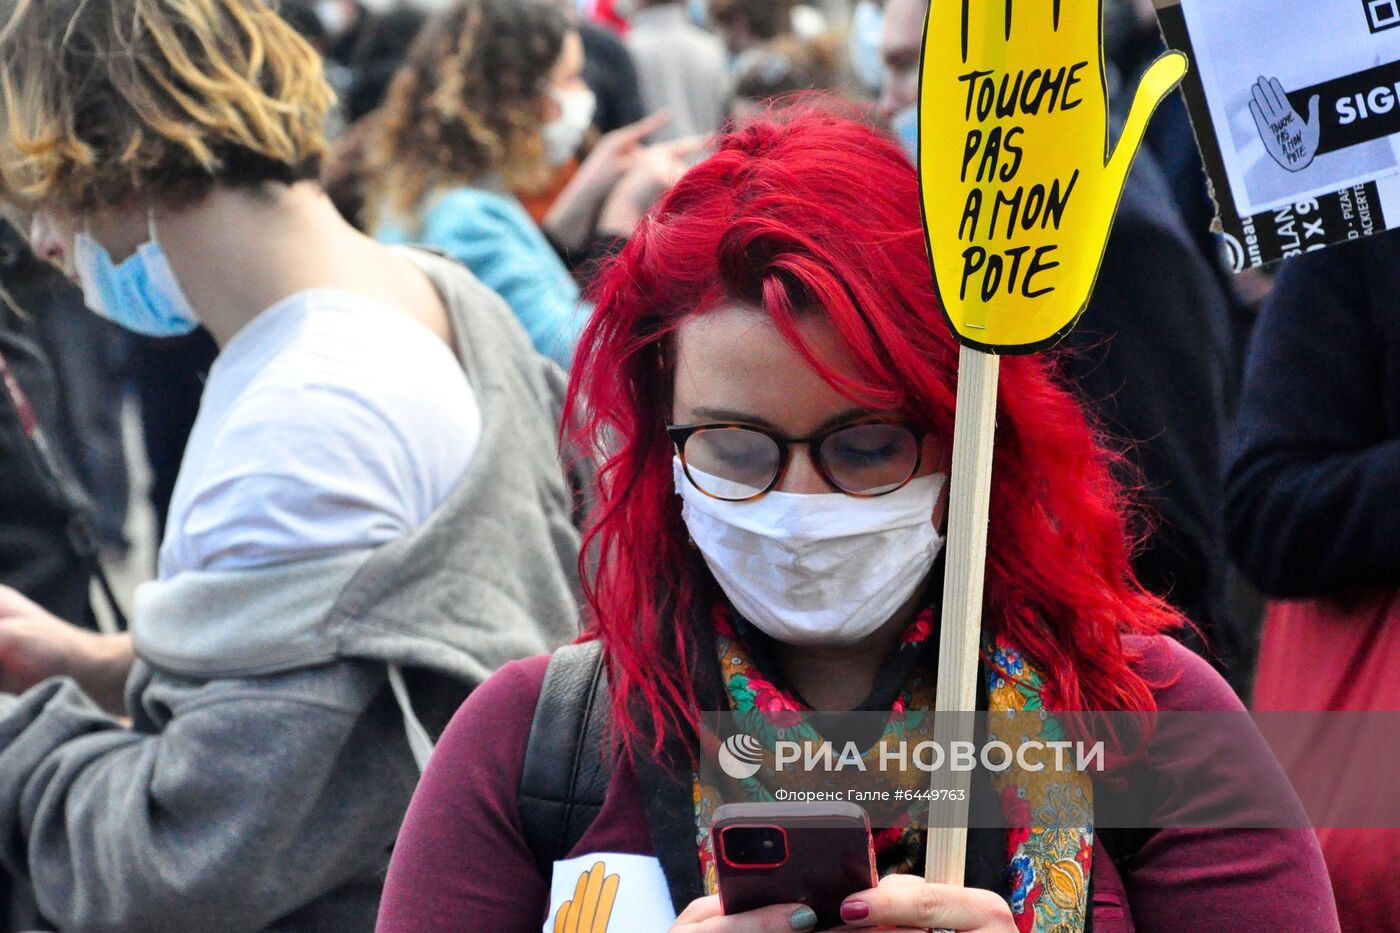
772,385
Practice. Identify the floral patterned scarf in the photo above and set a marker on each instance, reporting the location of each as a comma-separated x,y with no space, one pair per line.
1048,849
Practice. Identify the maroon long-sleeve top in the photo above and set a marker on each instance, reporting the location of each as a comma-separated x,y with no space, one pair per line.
462,862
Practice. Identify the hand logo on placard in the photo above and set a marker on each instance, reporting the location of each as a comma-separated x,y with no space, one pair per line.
1019,187
1291,140
590,909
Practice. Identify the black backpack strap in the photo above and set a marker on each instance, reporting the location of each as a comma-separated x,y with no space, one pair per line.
567,769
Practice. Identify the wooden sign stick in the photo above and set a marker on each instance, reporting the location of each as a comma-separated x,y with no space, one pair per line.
960,628
1008,283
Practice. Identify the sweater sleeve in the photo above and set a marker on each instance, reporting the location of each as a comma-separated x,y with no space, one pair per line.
516,262
1313,489
461,859
1218,880
255,799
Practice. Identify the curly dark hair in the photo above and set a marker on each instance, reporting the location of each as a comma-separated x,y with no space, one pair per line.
470,100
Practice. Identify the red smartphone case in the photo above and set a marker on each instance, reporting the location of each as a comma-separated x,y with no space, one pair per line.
829,856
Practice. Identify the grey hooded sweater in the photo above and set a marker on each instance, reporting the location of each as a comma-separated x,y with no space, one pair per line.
267,766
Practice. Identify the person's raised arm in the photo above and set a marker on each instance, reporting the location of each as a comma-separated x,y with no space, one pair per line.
573,218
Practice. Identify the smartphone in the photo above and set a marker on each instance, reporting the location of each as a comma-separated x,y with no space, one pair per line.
816,854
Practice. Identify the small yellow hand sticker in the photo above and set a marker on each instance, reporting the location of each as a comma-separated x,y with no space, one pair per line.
590,909
1019,187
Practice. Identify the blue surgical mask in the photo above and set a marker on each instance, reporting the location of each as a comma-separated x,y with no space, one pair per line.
906,126
140,293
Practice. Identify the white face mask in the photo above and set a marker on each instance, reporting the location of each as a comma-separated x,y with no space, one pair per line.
564,134
824,569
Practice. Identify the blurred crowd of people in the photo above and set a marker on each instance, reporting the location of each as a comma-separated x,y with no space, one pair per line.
529,141
443,138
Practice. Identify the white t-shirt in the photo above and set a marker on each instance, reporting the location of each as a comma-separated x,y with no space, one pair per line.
329,424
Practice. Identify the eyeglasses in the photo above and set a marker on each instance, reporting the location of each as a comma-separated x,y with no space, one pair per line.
739,462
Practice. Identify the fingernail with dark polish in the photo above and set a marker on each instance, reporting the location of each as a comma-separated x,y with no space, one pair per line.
854,910
803,919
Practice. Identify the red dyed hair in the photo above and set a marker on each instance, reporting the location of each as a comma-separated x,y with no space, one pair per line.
815,212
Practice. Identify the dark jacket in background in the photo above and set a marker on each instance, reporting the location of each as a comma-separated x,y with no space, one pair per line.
87,359
1153,357
41,496
37,554
1313,490
1133,46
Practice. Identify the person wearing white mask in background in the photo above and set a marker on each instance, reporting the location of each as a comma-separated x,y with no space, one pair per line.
491,101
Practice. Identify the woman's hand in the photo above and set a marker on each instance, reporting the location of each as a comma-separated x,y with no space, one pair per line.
610,159
908,902
901,902
654,171
36,645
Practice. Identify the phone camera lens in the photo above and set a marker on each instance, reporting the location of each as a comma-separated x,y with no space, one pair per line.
754,846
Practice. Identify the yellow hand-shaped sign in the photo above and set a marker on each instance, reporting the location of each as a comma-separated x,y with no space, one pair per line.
1019,187
590,909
